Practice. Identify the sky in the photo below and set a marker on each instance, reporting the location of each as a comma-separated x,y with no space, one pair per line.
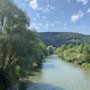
57,15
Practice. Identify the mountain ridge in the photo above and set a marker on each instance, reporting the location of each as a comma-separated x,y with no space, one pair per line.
56,39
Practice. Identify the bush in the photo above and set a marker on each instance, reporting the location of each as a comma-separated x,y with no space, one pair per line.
86,65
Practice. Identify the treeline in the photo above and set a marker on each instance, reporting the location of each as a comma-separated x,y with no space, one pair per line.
56,39
20,48
79,54
72,47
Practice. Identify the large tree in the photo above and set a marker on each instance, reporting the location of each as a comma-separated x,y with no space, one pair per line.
19,46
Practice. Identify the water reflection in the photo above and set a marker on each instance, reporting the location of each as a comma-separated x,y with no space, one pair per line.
48,66
56,74
38,86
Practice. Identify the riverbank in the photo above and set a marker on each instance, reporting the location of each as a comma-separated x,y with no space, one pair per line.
76,54
57,74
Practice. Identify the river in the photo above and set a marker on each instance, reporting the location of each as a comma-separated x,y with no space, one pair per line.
57,74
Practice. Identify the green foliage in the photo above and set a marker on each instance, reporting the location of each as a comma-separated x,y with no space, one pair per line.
77,54
56,39
50,49
86,65
70,46
20,48
44,49
80,48
86,49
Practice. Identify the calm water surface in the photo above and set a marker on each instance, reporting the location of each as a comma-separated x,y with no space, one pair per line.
57,74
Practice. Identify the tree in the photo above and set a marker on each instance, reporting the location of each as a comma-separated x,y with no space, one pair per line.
44,49
50,49
86,49
19,47
70,46
80,48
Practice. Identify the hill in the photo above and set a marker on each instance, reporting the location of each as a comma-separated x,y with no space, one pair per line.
56,39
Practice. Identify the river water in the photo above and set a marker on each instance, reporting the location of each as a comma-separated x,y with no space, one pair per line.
57,74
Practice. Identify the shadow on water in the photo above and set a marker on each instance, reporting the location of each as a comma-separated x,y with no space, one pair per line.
46,62
48,66
38,86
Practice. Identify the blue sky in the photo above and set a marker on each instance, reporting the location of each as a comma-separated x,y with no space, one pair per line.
58,15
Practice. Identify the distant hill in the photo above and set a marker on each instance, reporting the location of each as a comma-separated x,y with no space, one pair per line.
56,39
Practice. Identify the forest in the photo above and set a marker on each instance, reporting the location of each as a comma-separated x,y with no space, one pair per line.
56,39
79,54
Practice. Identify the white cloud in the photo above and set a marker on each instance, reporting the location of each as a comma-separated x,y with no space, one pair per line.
32,25
52,24
34,4
37,28
40,24
65,24
46,9
40,8
58,22
88,10
46,26
44,17
37,15
83,1
64,28
75,17
34,19
52,8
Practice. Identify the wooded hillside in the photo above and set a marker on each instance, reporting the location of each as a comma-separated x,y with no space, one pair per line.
56,39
